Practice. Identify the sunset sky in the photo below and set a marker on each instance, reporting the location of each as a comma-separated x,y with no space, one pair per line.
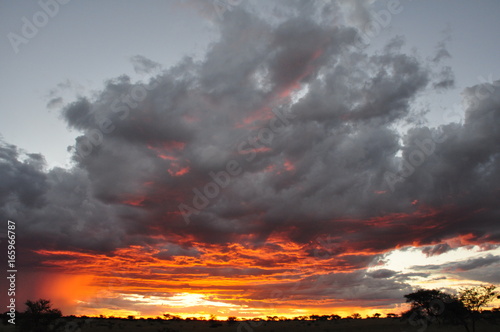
248,158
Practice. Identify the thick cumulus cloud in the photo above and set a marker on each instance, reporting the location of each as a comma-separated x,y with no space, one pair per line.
285,128
57,207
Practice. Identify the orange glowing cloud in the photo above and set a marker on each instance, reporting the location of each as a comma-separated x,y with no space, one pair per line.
225,271
189,276
176,170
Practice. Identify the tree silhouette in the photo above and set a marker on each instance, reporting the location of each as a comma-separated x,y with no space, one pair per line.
171,317
427,302
39,316
432,305
475,298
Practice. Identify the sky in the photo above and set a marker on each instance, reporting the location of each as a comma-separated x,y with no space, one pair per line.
247,157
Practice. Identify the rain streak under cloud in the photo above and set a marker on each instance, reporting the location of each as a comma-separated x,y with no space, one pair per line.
284,172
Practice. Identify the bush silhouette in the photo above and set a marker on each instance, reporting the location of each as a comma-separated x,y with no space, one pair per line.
39,317
432,305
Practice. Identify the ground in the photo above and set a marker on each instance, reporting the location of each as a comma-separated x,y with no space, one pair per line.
371,325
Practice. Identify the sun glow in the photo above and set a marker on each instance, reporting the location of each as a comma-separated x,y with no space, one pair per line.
180,300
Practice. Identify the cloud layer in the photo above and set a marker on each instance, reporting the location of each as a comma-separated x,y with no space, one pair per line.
284,141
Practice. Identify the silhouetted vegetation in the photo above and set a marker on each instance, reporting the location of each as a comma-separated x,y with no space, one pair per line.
474,299
39,316
231,319
171,317
356,316
430,306
427,307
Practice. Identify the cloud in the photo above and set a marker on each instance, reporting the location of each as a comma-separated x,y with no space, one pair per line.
55,102
23,182
359,13
382,273
282,131
471,264
172,250
461,266
143,65
446,79
151,145
442,52
438,249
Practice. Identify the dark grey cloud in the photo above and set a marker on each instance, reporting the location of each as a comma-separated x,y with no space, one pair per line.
438,249
445,79
55,102
22,182
465,265
353,288
414,275
471,264
382,273
483,269
172,250
441,50
143,65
